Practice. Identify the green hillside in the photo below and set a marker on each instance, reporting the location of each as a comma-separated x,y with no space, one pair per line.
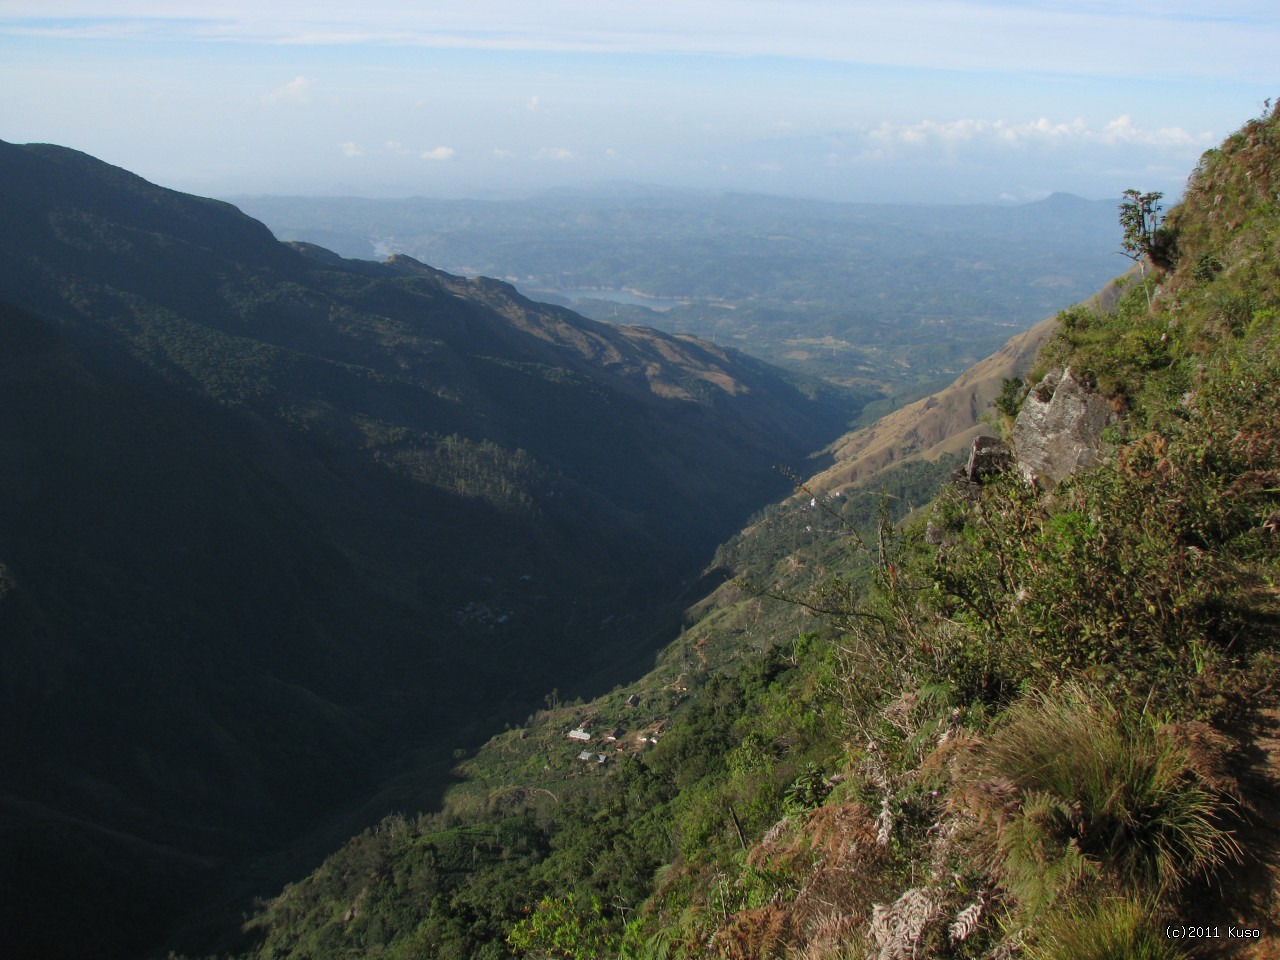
1034,720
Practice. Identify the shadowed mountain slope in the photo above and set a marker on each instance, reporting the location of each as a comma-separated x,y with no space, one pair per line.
279,531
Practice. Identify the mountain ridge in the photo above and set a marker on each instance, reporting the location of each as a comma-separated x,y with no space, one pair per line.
785,279
280,531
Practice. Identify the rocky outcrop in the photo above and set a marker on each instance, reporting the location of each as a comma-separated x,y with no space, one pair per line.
988,457
1059,429
945,423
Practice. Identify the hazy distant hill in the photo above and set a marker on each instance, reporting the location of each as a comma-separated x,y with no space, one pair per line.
278,530
876,294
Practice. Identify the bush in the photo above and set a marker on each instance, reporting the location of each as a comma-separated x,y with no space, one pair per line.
565,927
1012,393
1135,575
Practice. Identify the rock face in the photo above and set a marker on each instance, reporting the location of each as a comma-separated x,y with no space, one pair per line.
949,420
1059,429
987,457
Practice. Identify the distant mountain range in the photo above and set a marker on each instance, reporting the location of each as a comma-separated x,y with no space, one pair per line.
881,296
279,531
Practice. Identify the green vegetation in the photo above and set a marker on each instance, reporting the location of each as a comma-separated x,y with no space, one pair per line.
1104,930
1012,393
512,875
1140,219
1098,789
1031,733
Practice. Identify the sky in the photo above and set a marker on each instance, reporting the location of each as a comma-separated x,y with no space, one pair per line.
860,100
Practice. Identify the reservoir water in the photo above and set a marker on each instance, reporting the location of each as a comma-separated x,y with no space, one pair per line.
616,296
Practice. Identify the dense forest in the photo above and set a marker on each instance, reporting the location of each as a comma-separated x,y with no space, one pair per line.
1032,718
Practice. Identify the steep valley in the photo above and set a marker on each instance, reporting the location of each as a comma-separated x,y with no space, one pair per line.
1023,715
286,538
281,531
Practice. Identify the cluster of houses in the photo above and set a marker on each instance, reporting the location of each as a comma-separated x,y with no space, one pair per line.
616,736
586,756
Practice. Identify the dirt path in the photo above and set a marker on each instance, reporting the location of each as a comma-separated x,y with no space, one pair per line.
1256,897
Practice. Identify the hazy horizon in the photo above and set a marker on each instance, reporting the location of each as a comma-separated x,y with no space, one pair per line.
983,101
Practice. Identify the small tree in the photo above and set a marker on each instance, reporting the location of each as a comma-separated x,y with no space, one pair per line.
1144,238
1140,218
1011,396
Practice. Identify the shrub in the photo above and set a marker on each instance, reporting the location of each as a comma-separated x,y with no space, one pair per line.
565,927
1135,574
1012,393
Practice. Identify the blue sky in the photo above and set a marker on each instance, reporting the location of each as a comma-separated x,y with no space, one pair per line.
915,100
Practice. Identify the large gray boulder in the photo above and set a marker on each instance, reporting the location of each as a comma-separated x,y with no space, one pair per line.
1059,429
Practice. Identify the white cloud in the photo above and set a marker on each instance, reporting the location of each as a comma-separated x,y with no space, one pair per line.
438,153
1042,132
695,86
1123,130
297,90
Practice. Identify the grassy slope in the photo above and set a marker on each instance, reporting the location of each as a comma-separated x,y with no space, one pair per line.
1065,729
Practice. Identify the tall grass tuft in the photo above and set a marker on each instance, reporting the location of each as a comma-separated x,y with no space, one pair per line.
1077,789
1107,929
